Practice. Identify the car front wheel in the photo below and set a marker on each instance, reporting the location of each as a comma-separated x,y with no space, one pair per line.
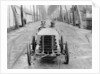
66,54
28,55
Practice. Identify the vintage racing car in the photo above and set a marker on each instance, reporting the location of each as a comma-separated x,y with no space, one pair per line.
47,42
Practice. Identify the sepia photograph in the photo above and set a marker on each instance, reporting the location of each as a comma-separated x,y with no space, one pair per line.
49,37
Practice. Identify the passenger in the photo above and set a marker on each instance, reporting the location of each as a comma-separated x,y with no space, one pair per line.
52,24
42,25
57,41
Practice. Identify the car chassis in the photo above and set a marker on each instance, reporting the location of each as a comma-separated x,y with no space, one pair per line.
47,42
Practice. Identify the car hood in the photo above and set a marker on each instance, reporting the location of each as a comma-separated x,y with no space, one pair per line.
48,31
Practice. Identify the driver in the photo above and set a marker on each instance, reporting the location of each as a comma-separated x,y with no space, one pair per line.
52,24
42,25
57,41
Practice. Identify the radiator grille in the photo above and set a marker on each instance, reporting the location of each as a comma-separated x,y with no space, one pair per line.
47,43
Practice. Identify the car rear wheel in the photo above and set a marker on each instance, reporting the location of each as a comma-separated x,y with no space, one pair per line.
33,44
61,44
28,55
66,54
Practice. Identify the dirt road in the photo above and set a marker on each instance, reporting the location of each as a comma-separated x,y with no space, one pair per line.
79,45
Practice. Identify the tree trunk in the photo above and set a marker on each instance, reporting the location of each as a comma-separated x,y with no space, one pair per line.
37,12
9,16
34,12
22,19
36,15
61,17
67,15
80,17
15,17
73,15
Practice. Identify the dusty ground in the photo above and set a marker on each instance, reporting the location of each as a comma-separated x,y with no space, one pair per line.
79,45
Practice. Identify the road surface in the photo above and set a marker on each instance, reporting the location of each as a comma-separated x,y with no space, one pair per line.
79,44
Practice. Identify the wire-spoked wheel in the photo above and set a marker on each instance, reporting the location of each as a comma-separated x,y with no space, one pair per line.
29,54
66,54
31,51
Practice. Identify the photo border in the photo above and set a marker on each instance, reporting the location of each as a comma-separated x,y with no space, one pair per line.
95,37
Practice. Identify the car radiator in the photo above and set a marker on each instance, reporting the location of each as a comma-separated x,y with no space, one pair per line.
48,44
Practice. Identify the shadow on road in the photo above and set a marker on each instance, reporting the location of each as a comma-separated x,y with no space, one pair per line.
48,60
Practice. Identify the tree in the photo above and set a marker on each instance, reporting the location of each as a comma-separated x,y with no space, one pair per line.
73,14
34,13
42,11
61,16
15,16
22,19
67,18
9,16
80,17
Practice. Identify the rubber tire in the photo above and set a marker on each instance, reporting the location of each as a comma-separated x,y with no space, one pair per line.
66,54
28,55
33,44
61,44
